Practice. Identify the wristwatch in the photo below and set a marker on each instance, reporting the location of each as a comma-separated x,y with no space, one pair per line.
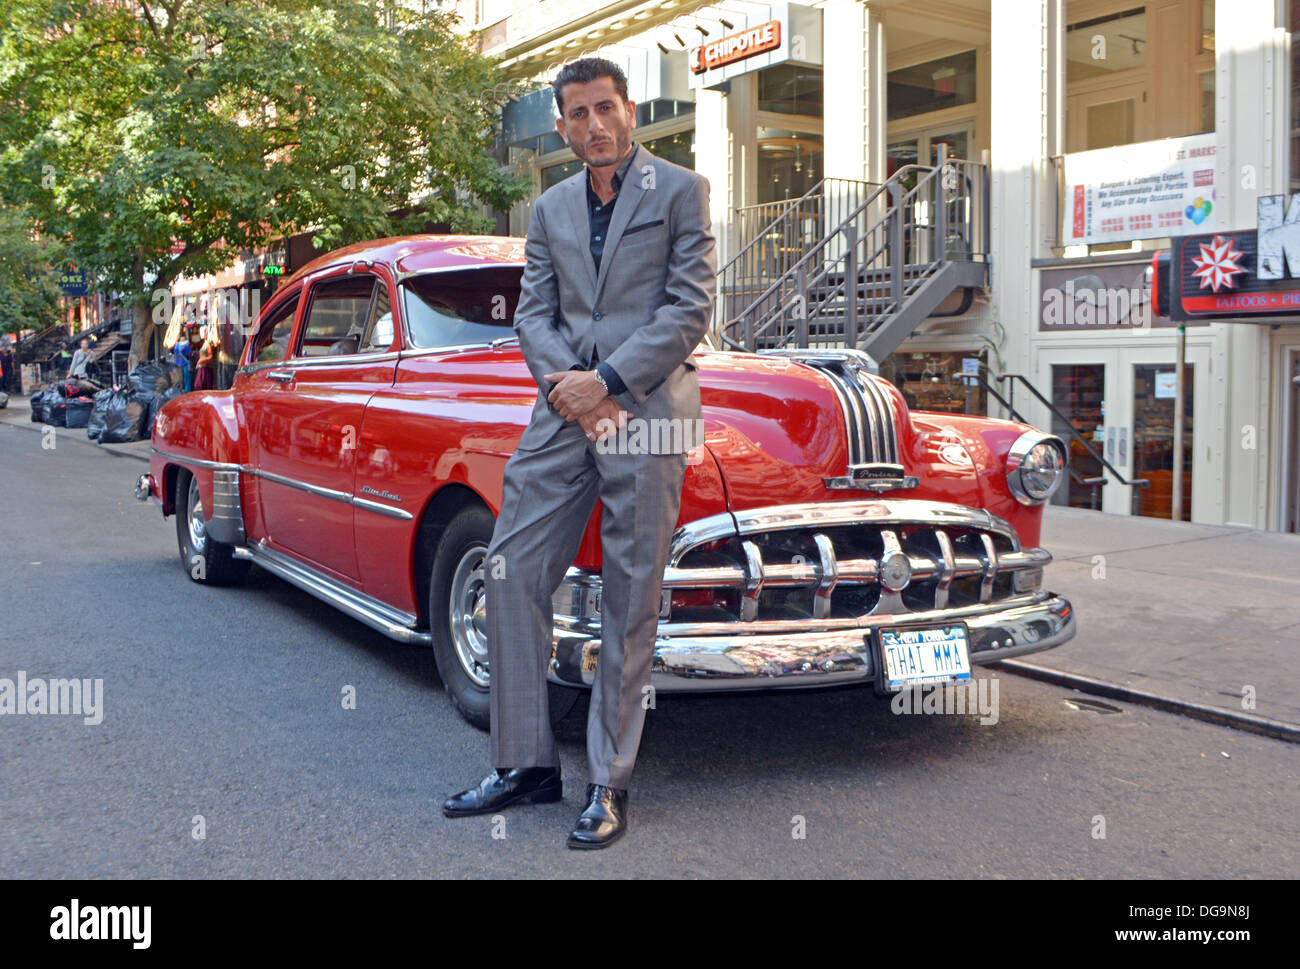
600,379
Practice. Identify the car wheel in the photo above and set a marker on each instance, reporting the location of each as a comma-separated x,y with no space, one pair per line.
458,620
204,558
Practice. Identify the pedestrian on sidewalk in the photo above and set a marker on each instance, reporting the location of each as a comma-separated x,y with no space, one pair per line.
205,376
7,366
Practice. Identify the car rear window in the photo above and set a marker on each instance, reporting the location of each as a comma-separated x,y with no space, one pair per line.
449,309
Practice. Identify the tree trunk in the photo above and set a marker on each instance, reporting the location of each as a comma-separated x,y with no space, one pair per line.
141,335
142,315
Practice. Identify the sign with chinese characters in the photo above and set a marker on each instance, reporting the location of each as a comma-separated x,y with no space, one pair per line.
1142,191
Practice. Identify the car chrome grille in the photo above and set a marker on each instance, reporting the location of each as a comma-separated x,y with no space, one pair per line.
819,563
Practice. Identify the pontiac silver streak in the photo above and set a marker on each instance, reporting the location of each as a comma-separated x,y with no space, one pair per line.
828,534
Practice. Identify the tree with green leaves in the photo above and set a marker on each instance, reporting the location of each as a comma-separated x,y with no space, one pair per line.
161,137
29,291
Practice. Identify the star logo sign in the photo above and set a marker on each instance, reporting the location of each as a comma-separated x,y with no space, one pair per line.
1217,264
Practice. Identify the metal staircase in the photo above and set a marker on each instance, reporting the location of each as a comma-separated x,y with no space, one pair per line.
855,264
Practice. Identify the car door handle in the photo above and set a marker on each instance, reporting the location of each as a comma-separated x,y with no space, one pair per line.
281,376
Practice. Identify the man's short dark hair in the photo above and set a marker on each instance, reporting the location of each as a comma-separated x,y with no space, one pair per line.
584,72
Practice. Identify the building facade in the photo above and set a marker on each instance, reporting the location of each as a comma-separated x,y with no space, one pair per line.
1108,130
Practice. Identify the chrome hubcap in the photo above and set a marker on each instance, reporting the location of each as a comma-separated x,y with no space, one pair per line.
468,614
198,529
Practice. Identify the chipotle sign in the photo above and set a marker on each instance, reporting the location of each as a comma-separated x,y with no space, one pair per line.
736,47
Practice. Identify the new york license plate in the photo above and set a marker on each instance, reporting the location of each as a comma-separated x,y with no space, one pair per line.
932,654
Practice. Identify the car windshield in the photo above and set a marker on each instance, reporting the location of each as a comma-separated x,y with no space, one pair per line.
449,309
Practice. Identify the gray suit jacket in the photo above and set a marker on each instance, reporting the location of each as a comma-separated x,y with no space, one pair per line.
645,311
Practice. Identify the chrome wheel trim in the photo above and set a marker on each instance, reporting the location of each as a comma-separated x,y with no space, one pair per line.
194,515
468,615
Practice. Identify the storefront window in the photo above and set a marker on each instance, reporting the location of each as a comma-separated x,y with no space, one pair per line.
1207,26
650,112
555,174
1294,24
943,83
790,89
1078,392
678,148
1207,101
789,163
1153,439
1104,45
935,381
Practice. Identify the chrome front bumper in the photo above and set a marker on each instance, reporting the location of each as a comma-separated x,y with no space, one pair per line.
837,652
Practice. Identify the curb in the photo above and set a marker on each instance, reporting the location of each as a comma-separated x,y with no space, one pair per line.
1277,729
121,450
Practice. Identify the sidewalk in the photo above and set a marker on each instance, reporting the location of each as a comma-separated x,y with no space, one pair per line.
1191,612
19,413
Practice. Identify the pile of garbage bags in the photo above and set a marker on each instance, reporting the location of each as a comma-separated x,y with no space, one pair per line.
115,415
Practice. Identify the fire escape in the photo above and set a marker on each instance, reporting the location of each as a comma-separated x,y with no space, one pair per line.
854,264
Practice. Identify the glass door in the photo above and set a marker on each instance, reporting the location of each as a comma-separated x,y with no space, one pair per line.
1291,448
1078,391
1154,392
1121,400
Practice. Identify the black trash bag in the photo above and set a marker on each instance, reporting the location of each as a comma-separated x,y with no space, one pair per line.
70,390
99,414
154,377
124,417
155,405
56,408
42,400
78,411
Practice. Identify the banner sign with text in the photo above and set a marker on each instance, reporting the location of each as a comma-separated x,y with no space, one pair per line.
1142,191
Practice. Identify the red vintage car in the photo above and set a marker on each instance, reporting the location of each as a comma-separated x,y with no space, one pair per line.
828,535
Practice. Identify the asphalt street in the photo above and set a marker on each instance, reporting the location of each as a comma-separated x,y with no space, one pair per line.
227,704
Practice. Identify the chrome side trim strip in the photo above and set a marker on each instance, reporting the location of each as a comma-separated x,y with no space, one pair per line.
331,493
393,623
367,505
324,360
200,462
312,489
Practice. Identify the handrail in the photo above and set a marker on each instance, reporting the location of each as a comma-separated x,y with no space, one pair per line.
802,265
792,205
1064,421
884,233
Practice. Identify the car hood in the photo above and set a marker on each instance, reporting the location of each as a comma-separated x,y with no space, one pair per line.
776,431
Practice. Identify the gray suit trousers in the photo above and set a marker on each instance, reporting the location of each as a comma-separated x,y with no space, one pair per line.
548,497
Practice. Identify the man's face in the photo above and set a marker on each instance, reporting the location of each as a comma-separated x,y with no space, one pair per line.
85,344
597,123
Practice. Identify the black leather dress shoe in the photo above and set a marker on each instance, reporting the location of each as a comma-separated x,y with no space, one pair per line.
604,821
503,787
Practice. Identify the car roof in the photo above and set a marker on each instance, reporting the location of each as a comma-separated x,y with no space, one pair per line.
423,253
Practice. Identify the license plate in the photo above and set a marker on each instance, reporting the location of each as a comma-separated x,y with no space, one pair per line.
931,654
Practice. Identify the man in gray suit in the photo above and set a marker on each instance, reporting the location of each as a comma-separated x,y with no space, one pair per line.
617,292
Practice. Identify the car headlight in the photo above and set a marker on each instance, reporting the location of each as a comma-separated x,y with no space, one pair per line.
1035,467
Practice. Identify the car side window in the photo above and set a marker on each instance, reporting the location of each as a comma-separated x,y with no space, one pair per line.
378,334
273,337
344,317
461,307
